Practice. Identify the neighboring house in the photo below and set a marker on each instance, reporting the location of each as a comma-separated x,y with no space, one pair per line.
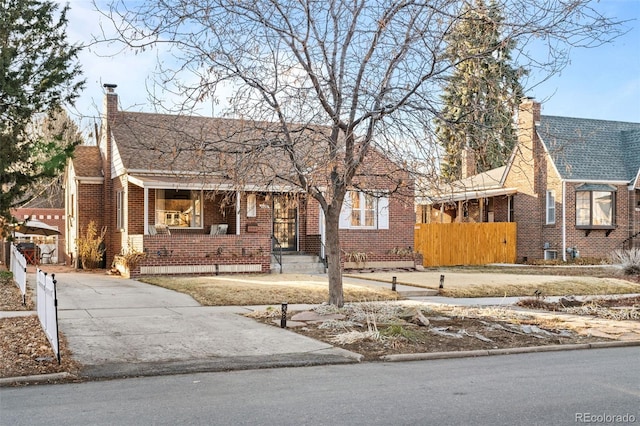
204,212
572,186
49,210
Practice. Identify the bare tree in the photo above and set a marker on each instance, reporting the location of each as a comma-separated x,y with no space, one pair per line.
369,72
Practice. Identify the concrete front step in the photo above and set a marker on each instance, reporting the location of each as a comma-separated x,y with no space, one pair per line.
299,264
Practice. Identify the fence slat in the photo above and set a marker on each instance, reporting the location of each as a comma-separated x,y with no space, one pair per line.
451,244
19,270
48,309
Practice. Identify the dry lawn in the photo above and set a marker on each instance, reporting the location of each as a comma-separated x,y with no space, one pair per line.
265,290
503,282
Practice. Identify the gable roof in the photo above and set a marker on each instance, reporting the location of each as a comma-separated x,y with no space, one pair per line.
176,144
591,150
87,162
486,184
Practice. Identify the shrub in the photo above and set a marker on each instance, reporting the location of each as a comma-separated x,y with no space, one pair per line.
629,260
90,246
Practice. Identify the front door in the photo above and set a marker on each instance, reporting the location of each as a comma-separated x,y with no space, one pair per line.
285,222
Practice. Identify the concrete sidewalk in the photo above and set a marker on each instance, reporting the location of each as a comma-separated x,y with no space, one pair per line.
119,327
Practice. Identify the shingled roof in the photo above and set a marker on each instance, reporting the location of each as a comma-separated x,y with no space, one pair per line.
87,162
179,143
585,149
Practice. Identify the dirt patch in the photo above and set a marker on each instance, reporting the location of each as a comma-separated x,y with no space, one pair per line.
614,308
377,329
24,348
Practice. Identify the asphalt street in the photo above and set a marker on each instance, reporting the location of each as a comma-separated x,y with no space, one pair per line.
553,388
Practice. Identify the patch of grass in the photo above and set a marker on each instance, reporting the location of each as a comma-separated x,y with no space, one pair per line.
256,290
564,288
398,331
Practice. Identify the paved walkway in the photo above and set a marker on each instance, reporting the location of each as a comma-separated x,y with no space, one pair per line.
116,326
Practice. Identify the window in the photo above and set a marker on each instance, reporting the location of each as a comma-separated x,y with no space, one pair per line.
510,209
251,205
119,210
364,211
595,209
179,208
551,207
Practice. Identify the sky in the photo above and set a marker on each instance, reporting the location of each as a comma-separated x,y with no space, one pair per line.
599,83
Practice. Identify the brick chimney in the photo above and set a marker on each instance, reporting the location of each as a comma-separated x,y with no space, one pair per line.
528,118
524,174
468,163
110,112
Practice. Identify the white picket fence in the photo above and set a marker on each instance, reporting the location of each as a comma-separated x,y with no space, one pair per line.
48,308
18,268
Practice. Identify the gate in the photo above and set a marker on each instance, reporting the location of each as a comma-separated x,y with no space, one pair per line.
451,244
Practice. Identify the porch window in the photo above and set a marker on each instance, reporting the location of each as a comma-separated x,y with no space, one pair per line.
179,208
364,211
251,205
551,207
595,209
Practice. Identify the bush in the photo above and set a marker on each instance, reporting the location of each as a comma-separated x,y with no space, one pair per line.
629,260
90,246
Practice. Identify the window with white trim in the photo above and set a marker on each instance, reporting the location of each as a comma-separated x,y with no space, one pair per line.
551,207
179,208
595,209
362,210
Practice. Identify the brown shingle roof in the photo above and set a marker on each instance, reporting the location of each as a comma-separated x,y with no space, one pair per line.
87,161
235,149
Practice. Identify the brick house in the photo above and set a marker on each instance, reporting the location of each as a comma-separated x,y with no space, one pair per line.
205,211
572,186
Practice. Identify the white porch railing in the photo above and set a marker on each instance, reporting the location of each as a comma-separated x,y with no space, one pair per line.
19,270
48,308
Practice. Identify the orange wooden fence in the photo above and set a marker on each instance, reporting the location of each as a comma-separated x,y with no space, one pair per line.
448,244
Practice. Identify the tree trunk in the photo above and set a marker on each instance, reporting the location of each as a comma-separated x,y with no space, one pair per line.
332,221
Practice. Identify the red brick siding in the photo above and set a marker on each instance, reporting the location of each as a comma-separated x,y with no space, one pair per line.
176,250
378,243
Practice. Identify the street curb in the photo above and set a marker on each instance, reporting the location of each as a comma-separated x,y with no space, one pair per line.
36,378
508,351
333,356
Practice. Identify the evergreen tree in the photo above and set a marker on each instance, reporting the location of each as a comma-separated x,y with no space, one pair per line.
39,73
481,95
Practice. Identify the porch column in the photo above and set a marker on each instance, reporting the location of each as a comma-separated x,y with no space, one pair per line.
146,211
238,213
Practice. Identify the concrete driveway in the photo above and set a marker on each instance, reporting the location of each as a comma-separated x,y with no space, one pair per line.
120,327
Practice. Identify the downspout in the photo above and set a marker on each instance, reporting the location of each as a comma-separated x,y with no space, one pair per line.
564,221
